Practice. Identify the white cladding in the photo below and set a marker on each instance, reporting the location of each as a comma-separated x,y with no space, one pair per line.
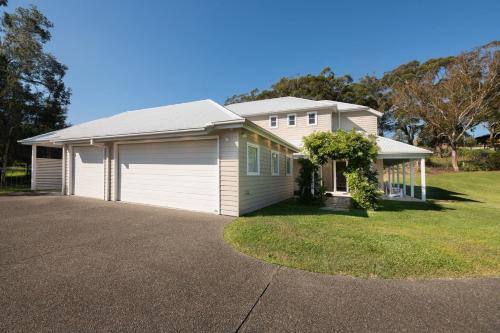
88,171
177,174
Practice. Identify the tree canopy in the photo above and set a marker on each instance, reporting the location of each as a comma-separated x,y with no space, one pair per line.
417,99
33,95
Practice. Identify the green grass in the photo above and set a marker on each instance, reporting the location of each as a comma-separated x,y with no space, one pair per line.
9,189
16,172
455,235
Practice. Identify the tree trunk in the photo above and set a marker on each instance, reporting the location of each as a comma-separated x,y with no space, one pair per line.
439,151
5,156
454,157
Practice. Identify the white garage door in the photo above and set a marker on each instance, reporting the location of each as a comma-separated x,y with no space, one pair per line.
89,172
180,174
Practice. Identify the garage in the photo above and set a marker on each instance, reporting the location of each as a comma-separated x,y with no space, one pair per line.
176,174
88,171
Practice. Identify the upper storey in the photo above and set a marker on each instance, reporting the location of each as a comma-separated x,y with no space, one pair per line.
293,118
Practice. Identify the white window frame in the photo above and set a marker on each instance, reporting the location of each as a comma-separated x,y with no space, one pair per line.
288,172
253,173
272,164
270,123
315,118
288,119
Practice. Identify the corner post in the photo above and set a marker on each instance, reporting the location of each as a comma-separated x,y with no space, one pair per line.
404,179
33,167
391,179
71,176
399,182
422,181
412,179
64,161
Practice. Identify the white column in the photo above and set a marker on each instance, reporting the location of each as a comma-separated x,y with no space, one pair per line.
397,171
70,170
422,179
404,179
63,187
115,190
33,167
412,179
390,179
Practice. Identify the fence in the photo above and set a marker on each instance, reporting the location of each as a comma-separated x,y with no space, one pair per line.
15,178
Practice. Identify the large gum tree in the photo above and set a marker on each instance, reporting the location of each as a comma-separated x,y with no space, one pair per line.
453,101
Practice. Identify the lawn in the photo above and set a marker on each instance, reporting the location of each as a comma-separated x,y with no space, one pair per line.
457,234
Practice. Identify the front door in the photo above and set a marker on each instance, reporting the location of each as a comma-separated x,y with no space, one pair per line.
341,182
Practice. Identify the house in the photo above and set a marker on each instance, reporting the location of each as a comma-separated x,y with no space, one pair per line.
205,157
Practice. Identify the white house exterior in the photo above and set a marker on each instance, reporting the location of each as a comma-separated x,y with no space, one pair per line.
202,156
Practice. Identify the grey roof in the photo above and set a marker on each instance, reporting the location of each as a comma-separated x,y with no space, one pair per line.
197,115
271,105
287,104
389,148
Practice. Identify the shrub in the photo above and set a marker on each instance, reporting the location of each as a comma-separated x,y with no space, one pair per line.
359,150
363,188
480,160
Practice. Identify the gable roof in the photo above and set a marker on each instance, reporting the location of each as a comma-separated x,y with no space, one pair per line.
289,103
191,116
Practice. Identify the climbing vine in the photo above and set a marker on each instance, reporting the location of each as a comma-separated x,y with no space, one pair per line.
359,150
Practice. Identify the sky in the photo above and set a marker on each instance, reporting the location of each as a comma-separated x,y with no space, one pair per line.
127,55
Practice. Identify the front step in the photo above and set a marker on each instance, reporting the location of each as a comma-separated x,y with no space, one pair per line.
342,204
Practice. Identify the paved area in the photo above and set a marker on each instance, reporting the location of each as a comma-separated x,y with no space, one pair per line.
72,264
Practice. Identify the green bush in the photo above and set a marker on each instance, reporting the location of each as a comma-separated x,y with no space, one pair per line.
363,188
480,159
359,150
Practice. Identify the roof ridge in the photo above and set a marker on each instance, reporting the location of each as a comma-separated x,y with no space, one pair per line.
227,111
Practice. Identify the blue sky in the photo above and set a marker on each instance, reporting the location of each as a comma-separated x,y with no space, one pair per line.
125,55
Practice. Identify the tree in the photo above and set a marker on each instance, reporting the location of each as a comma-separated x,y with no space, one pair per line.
404,122
455,99
33,96
325,85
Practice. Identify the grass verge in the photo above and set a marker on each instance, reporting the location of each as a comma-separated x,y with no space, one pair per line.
457,234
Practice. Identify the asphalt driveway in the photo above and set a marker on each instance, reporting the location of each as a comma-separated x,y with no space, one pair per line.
73,264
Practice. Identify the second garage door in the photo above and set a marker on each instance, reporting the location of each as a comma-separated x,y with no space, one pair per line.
177,174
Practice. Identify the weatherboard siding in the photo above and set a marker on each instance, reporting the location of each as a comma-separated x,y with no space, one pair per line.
359,120
301,129
265,189
229,163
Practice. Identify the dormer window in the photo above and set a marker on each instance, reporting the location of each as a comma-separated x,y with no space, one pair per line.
273,121
292,120
312,118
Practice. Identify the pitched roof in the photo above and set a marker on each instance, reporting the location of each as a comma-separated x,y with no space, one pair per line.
273,105
389,148
197,115
287,104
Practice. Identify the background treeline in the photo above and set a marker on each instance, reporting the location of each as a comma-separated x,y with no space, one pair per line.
437,103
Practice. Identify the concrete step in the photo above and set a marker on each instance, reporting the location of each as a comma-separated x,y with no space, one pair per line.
338,203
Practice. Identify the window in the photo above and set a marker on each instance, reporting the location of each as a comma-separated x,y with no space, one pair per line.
292,120
273,121
275,163
312,118
289,165
253,160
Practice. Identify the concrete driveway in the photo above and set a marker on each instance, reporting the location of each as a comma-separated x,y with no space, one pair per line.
73,264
